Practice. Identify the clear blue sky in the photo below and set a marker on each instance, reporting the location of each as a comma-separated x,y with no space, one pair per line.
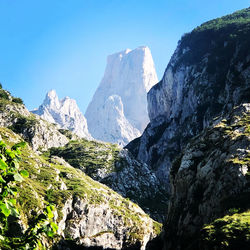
63,44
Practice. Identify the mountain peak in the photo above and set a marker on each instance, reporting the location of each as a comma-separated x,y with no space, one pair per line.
51,94
64,112
51,99
129,75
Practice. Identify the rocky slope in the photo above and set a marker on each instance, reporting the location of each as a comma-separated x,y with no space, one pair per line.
88,213
119,170
207,75
118,110
103,162
64,112
211,179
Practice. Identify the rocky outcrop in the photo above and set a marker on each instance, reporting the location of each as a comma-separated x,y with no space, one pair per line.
39,133
138,182
101,226
63,112
118,110
209,180
207,75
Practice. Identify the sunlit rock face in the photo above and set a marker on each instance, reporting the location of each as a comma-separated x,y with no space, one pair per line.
118,110
64,112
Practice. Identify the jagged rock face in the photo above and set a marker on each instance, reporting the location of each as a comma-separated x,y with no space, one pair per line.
118,110
64,112
100,226
138,182
208,74
39,133
210,177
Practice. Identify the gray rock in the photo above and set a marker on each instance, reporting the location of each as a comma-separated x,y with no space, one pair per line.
210,179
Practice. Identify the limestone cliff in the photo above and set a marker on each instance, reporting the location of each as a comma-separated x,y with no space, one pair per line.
207,75
118,110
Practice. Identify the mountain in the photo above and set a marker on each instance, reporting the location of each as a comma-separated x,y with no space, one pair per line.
89,215
118,110
103,162
64,112
207,75
192,161
198,138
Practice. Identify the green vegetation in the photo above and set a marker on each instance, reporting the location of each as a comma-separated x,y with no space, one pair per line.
23,122
239,127
9,175
218,36
157,227
89,156
68,134
17,100
4,94
229,232
6,98
237,18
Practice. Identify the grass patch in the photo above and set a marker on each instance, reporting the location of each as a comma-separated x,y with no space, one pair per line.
89,156
229,232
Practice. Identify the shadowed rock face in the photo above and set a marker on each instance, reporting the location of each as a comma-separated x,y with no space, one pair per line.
207,75
210,178
199,115
118,110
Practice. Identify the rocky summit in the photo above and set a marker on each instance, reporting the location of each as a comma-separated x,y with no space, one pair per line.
118,110
63,112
